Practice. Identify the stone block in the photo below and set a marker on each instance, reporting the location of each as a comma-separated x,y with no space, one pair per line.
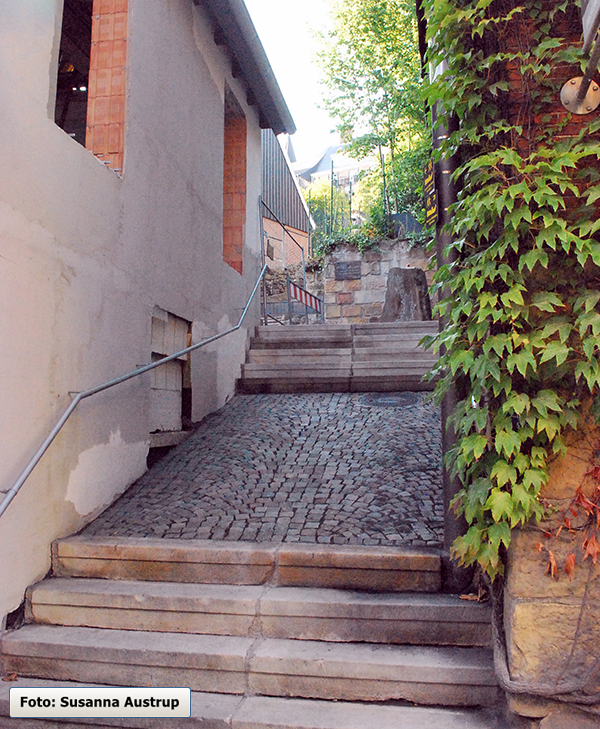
459,677
530,707
375,282
372,255
526,575
128,657
570,719
332,285
375,268
333,311
373,309
369,296
330,297
353,284
539,638
345,298
351,311
163,560
406,296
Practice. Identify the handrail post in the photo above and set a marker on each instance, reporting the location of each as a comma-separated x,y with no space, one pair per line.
289,295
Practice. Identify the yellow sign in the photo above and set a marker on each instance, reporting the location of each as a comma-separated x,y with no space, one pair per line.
431,207
428,182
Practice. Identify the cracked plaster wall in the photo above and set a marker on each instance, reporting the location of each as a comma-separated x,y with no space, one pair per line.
85,256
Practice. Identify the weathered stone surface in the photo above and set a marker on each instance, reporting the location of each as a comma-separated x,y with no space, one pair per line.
553,625
406,296
222,711
127,657
273,612
570,719
443,676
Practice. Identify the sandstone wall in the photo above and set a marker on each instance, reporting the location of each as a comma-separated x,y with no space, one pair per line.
552,626
358,300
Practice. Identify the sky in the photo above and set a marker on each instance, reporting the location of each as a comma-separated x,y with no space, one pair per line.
284,29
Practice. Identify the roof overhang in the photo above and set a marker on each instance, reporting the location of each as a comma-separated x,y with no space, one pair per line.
233,28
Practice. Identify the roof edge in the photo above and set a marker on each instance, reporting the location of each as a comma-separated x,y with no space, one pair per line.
234,26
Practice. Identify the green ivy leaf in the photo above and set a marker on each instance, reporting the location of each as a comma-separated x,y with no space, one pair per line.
501,504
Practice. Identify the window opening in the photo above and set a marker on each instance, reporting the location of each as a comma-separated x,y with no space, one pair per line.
70,112
91,84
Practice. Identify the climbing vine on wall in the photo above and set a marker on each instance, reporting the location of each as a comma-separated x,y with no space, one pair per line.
522,297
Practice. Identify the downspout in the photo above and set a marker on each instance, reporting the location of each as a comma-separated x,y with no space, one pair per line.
454,578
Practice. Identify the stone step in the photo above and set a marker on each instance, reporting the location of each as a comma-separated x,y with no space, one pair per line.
430,327
294,386
304,356
238,665
275,612
221,711
381,365
298,371
246,563
377,354
388,340
302,337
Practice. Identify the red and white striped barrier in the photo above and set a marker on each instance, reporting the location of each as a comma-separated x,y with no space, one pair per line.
301,295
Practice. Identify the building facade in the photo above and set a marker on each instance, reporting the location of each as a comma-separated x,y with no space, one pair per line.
129,226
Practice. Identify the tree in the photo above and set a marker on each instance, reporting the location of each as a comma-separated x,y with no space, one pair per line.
372,73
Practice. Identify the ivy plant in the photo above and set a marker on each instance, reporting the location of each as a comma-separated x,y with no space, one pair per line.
521,295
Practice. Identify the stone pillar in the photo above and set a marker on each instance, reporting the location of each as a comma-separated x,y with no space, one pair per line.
552,626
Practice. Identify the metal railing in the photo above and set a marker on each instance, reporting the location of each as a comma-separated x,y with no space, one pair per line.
79,396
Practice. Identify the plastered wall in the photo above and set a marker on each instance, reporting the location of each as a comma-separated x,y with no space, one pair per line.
85,256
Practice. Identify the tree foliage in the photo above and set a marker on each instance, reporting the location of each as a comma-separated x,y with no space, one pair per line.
522,343
373,85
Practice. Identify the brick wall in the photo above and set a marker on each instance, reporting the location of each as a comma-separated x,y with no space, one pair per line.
105,132
234,192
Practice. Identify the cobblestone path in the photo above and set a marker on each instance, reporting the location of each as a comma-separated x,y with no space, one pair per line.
324,468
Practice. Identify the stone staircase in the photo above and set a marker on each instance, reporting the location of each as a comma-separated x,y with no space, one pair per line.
378,357
267,636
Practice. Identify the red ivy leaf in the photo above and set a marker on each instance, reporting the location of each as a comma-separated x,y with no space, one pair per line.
552,566
539,546
570,566
583,501
592,548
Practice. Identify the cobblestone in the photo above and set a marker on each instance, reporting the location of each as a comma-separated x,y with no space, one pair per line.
317,468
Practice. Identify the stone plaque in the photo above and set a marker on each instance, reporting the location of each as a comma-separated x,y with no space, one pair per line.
347,270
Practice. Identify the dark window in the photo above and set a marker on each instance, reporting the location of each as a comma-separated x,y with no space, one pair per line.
74,68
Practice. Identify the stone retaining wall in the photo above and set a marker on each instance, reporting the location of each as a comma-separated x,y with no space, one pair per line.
361,299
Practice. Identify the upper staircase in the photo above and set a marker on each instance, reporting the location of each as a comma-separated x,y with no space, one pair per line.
378,357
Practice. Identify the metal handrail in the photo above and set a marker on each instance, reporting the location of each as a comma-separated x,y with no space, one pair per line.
79,396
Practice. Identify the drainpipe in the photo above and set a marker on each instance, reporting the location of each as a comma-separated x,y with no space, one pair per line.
454,578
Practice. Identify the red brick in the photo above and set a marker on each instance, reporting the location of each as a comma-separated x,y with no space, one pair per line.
103,82
119,54
116,110
120,26
105,54
106,28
